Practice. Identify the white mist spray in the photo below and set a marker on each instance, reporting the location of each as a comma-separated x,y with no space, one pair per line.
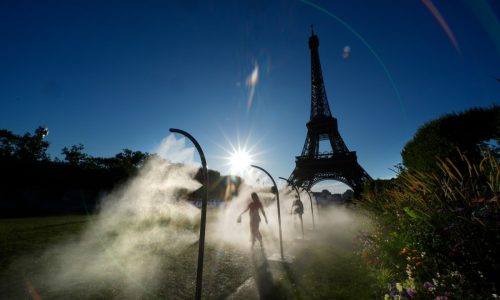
139,230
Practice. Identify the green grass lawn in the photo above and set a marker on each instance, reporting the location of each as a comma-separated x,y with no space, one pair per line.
330,270
326,267
25,261
30,236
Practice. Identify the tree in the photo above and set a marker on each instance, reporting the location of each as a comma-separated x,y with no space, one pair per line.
325,193
469,131
33,147
131,158
25,147
348,195
8,143
75,155
126,162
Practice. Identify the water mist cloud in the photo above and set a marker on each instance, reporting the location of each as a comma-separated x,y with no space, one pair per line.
175,150
132,242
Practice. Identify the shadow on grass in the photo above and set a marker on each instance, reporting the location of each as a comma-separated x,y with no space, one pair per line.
266,285
292,278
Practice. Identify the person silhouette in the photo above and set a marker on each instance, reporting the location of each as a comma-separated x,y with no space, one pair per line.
298,210
253,209
297,207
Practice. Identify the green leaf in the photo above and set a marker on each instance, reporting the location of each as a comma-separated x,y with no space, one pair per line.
410,212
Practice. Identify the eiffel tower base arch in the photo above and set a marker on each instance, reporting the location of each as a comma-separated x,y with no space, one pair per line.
339,167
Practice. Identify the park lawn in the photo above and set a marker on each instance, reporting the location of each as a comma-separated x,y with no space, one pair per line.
325,267
326,272
24,243
31,236
330,269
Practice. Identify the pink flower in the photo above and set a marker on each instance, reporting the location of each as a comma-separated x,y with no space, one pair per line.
428,286
478,200
411,292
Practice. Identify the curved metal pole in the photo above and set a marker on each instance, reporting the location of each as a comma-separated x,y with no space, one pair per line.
278,204
317,210
293,185
201,244
298,194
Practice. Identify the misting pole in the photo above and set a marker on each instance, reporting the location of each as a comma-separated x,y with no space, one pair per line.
317,209
201,243
298,195
278,204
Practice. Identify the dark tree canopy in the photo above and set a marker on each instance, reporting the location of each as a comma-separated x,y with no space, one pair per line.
33,184
131,158
74,155
325,193
26,147
8,142
470,131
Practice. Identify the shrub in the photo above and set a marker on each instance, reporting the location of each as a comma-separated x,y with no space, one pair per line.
439,233
471,131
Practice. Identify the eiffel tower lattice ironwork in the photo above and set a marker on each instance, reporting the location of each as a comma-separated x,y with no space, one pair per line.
340,164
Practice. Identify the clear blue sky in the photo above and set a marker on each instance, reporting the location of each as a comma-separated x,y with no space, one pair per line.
119,74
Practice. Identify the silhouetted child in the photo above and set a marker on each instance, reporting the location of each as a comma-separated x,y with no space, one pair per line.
298,210
297,207
254,208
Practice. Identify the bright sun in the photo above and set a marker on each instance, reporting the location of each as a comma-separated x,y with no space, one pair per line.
240,160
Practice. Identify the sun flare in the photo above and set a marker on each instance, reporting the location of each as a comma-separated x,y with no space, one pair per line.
239,155
240,160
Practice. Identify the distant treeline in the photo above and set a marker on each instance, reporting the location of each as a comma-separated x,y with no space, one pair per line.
32,183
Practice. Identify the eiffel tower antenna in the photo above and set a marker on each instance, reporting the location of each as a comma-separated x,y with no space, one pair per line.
339,164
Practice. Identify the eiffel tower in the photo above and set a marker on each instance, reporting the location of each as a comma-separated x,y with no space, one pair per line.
339,164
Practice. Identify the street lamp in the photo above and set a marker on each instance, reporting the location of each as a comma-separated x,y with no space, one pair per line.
201,244
278,204
298,195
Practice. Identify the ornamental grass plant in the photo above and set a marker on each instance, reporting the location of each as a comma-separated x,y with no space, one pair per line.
437,234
